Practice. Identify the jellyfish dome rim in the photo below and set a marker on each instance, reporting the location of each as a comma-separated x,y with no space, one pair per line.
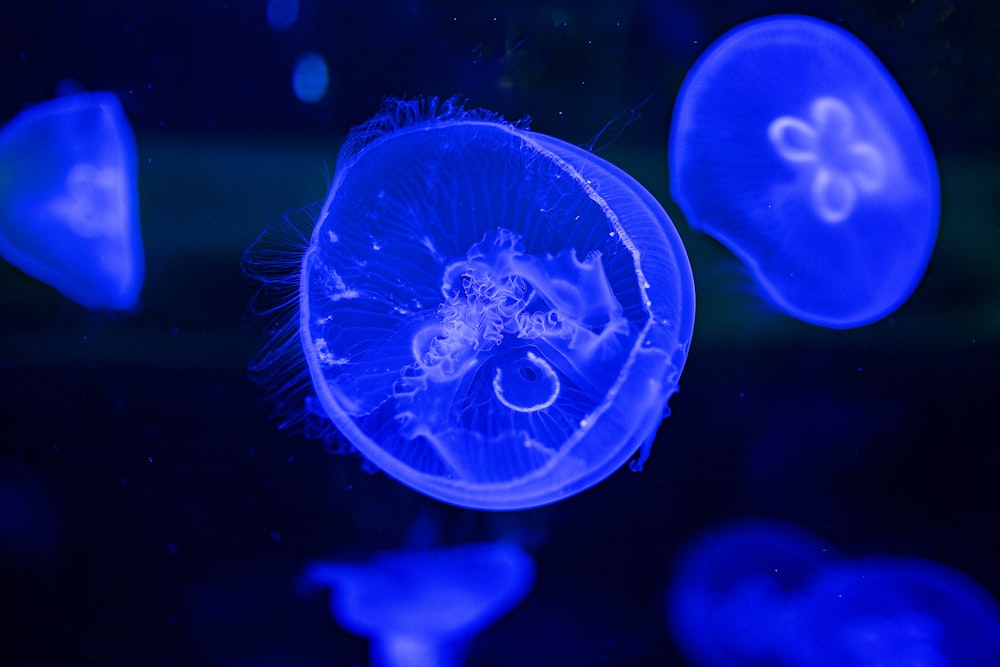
692,88
487,496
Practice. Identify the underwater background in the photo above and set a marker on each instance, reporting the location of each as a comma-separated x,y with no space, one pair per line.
151,512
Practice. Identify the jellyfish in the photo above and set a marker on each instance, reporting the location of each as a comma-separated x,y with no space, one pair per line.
425,607
895,611
492,316
794,147
733,587
69,198
30,525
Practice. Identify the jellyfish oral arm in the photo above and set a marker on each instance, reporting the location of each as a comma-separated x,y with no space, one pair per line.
502,299
583,315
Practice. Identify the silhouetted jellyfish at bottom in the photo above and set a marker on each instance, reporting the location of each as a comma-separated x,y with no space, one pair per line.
732,591
755,593
894,611
69,211
425,607
493,317
793,146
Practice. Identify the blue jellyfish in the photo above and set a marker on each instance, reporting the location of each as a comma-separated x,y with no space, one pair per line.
70,212
732,589
792,145
425,607
30,525
894,611
493,317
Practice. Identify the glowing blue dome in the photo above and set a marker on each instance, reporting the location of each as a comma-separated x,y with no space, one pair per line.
69,205
793,146
494,317
895,611
732,589
762,592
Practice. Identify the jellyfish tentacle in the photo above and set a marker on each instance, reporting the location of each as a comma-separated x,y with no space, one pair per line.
533,325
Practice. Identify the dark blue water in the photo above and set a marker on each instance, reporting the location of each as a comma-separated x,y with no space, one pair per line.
151,512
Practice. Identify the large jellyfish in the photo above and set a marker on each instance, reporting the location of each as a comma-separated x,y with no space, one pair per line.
733,590
425,607
493,317
895,611
792,145
69,212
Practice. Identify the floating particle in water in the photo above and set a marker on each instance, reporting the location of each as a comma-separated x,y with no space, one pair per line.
793,146
69,198
492,316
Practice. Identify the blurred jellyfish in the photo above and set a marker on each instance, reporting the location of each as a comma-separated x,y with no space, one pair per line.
492,316
30,525
793,146
752,593
425,607
310,77
732,589
895,611
68,191
282,14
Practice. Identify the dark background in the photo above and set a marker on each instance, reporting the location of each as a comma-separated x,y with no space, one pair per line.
151,512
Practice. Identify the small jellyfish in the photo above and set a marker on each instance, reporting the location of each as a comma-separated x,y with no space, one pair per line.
493,317
733,586
894,611
30,525
793,146
69,211
425,607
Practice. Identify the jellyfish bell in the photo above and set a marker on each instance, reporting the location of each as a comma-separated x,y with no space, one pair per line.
733,588
894,611
793,146
69,213
491,316
424,607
